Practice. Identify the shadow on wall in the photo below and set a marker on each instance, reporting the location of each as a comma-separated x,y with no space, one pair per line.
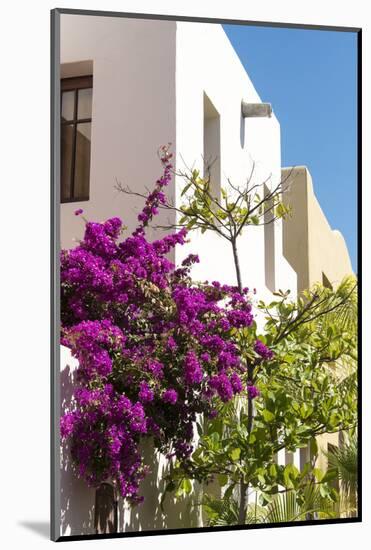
179,513
78,500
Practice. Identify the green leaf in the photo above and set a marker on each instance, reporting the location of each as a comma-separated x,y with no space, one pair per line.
313,446
329,476
305,410
197,453
287,480
199,429
273,470
261,478
267,415
235,453
222,479
187,486
228,492
252,438
191,223
318,474
185,188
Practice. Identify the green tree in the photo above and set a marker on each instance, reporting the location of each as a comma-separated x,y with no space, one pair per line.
302,395
287,506
343,462
309,388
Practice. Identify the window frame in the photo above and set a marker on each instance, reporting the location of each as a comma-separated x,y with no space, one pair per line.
74,84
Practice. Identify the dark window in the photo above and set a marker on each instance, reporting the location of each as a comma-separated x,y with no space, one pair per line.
76,107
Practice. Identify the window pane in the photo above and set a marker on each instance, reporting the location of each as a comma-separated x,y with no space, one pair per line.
66,161
82,161
84,105
68,102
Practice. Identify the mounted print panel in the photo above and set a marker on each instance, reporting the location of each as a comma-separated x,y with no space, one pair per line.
205,369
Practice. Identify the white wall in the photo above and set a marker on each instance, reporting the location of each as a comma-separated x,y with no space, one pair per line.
141,101
133,109
76,499
207,63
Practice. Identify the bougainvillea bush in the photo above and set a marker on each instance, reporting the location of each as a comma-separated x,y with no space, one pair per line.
154,348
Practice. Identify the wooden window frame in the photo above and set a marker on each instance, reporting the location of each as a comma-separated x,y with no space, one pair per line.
75,84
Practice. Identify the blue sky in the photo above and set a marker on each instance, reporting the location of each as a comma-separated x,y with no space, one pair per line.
310,78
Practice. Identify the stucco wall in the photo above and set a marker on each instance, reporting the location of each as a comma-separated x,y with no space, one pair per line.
207,64
310,244
76,499
313,248
149,80
133,109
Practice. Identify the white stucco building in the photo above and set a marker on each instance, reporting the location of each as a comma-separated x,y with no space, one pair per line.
155,82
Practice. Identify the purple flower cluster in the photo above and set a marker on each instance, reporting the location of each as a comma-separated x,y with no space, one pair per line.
105,430
89,342
226,386
252,391
262,350
223,385
240,318
192,369
145,393
154,348
157,197
170,396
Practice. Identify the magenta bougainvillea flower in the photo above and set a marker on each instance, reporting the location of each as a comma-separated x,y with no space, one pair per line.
252,391
262,350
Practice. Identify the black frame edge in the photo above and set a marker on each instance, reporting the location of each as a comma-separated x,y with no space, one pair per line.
54,275
199,19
